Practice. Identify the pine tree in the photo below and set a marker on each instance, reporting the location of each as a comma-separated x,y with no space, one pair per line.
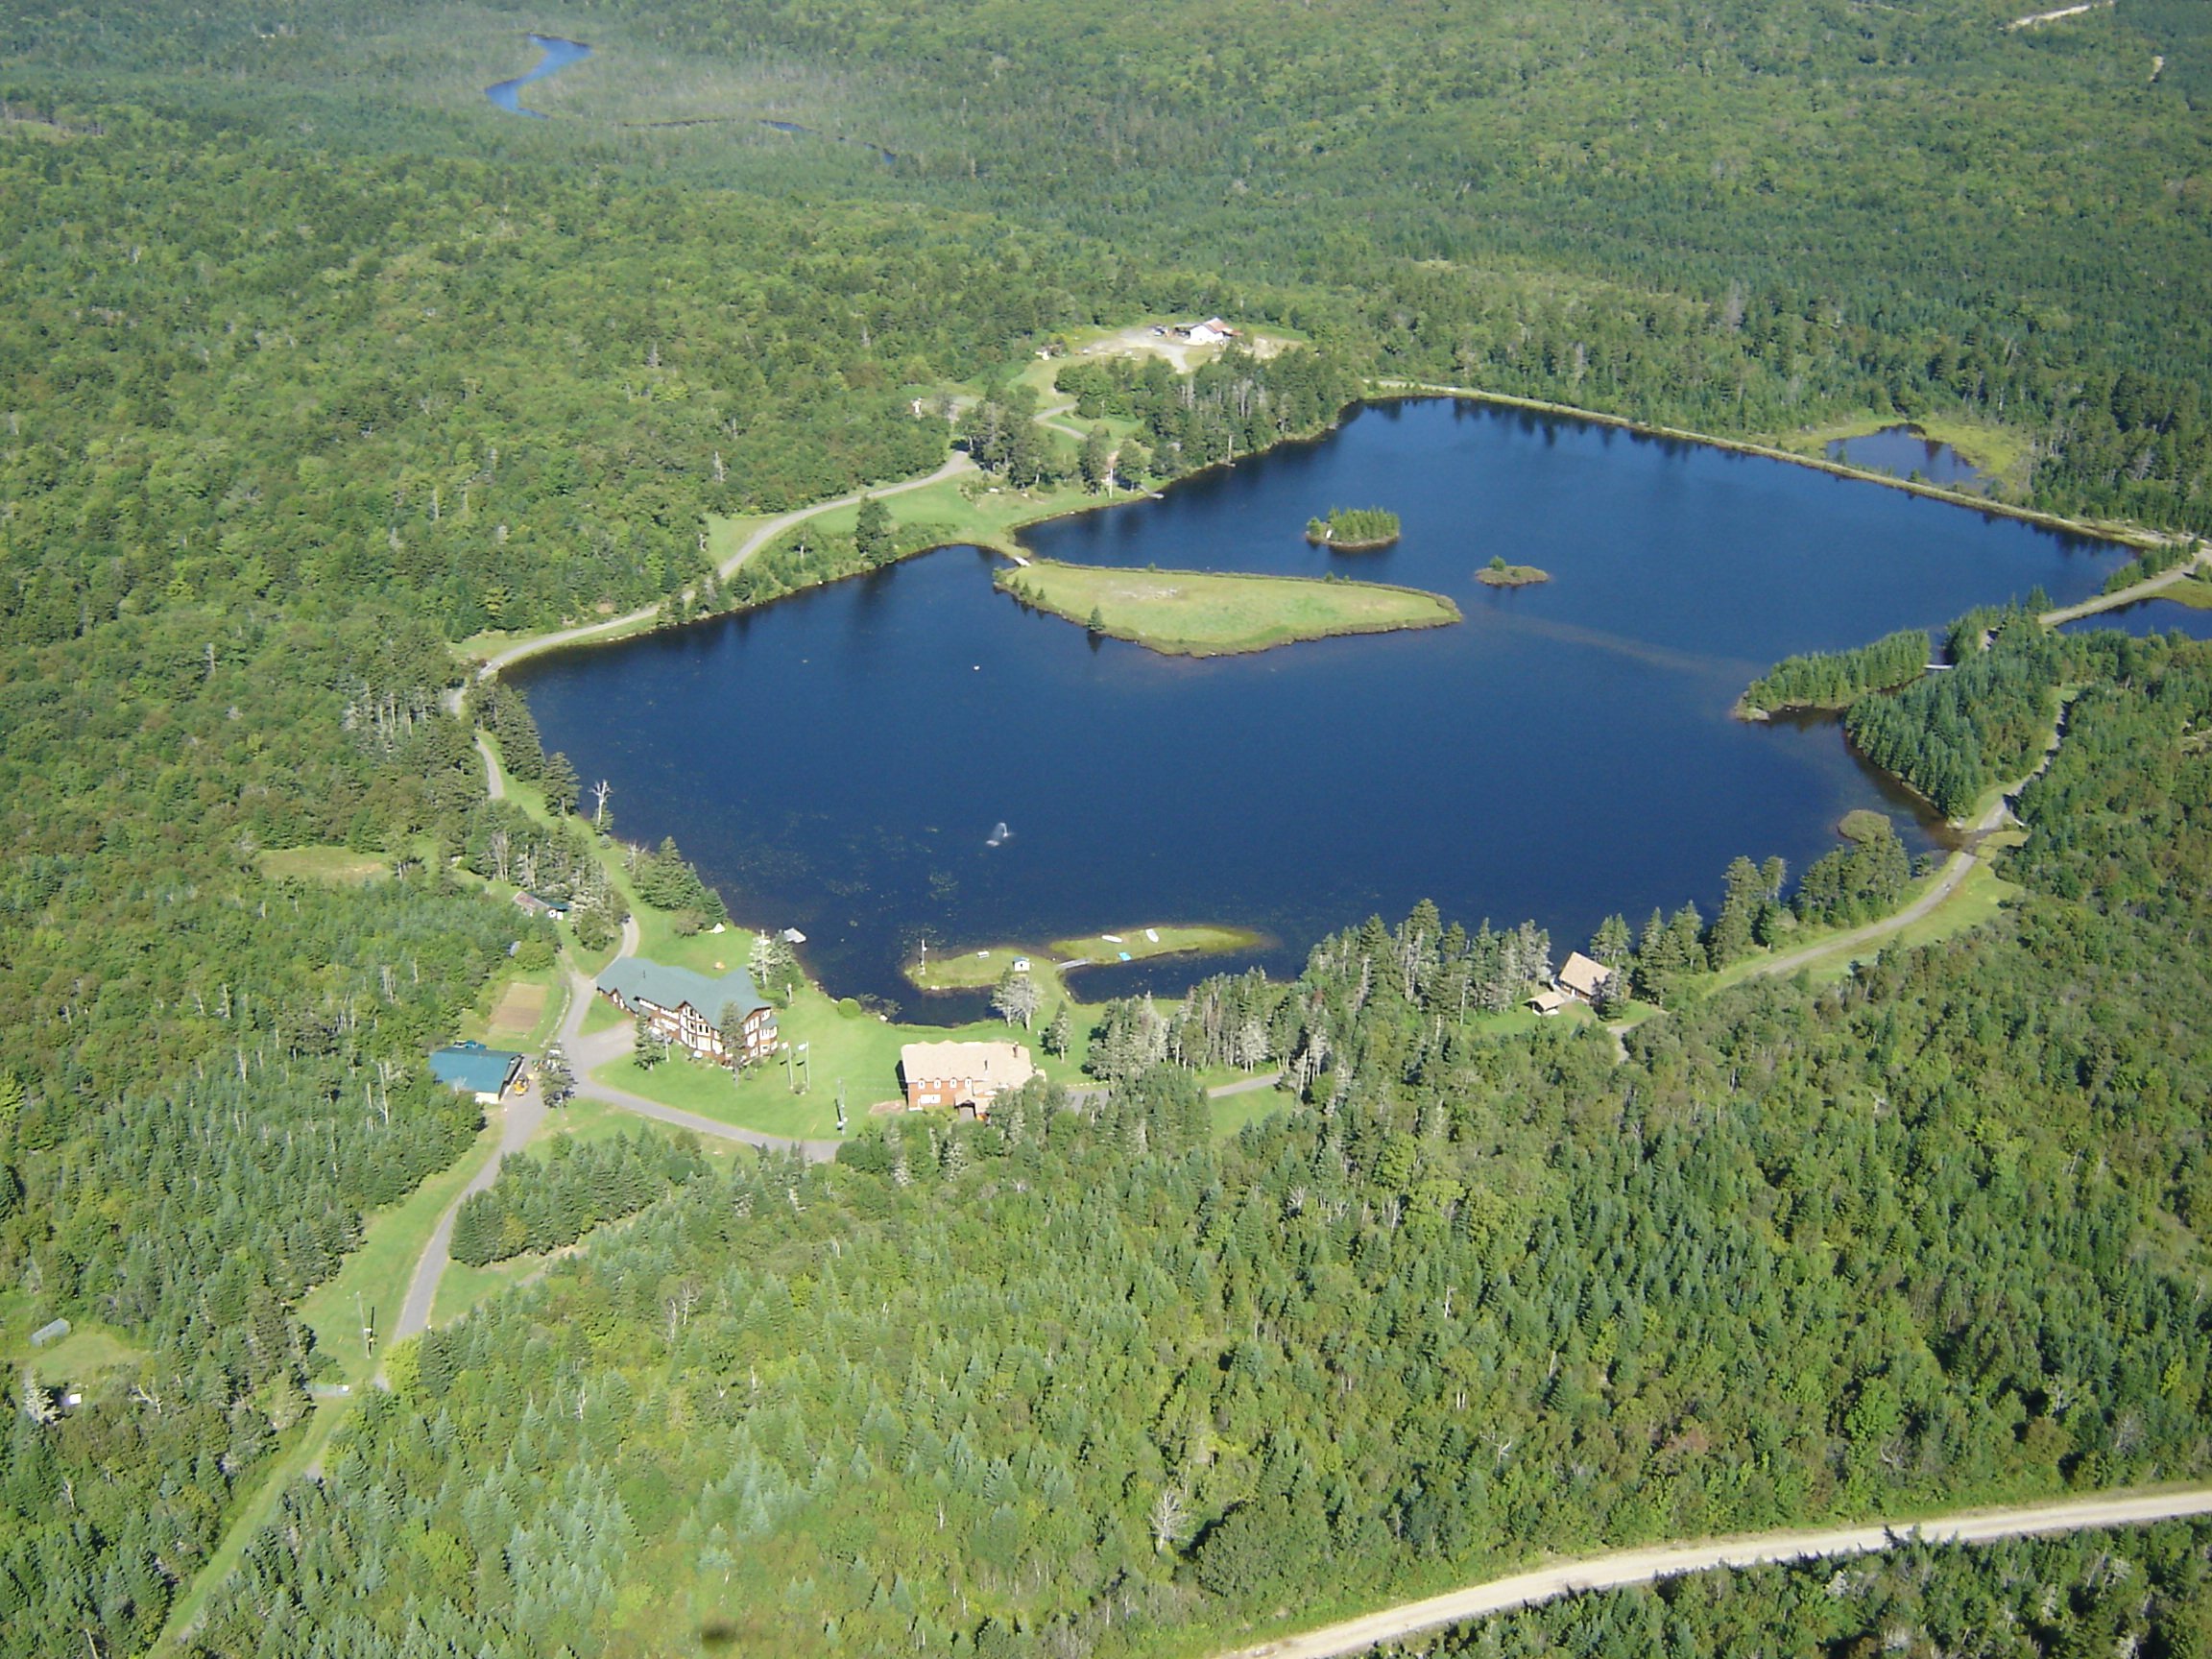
871,537
561,785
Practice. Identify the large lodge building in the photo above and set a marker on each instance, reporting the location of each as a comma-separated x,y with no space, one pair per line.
686,1008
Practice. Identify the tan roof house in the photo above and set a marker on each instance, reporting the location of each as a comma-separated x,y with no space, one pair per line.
955,1074
1549,1001
1581,977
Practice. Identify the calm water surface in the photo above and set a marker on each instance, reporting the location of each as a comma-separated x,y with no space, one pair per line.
2147,616
1902,451
837,760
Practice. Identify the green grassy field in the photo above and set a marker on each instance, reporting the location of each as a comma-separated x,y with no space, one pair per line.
2193,591
951,512
1996,452
1232,1113
79,1359
1199,613
976,970
860,1048
340,866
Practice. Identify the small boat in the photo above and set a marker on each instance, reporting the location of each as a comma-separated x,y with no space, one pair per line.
998,835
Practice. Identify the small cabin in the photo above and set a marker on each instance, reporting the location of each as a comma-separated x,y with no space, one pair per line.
1582,979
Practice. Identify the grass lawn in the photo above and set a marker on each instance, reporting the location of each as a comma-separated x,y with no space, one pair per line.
601,1016
462,1288
1142,947
2193,591
1198,614
78,1358
955,510
1996,452
1232,1113
862,1049
339,866
975,970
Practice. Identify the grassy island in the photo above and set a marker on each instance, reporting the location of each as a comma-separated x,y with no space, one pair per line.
1500,574
1354,529
1202,614
973,969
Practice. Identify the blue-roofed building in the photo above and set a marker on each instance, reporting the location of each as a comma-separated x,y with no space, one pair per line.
687,1008
471,1068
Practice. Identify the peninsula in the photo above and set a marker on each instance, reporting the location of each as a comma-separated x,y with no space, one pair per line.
1204,613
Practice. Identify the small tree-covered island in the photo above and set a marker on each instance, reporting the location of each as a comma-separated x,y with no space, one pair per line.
1498,573
1354,529
1204,613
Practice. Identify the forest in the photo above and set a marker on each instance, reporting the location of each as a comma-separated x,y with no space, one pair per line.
1838,679
1086,1379
315,365
2140,1591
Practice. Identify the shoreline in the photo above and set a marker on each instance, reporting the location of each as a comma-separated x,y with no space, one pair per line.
655,619
2124,535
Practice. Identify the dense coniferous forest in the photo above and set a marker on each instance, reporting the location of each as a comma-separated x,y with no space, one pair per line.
549,1205
1838,679
314,364
2100,1593
1080,1377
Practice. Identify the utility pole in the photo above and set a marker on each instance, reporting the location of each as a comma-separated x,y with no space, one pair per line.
840,1105
368,1328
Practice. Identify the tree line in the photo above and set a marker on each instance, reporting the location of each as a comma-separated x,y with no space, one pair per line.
545,1204
1802,1253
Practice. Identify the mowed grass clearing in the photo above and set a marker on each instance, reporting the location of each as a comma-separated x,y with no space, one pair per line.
855,1047
517,1013
1206,613
338,866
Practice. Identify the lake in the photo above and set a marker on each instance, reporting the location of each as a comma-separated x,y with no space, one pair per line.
2147,616
836,761
557,55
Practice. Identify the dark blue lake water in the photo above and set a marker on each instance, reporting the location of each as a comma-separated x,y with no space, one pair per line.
837,760
557,55
1902,451
2147,616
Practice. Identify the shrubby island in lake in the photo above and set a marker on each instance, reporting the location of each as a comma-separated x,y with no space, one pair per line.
1500,574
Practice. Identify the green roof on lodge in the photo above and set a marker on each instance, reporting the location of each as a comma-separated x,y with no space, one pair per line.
632,978
474,1067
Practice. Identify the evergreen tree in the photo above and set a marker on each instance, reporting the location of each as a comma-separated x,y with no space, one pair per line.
871,536
561,783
